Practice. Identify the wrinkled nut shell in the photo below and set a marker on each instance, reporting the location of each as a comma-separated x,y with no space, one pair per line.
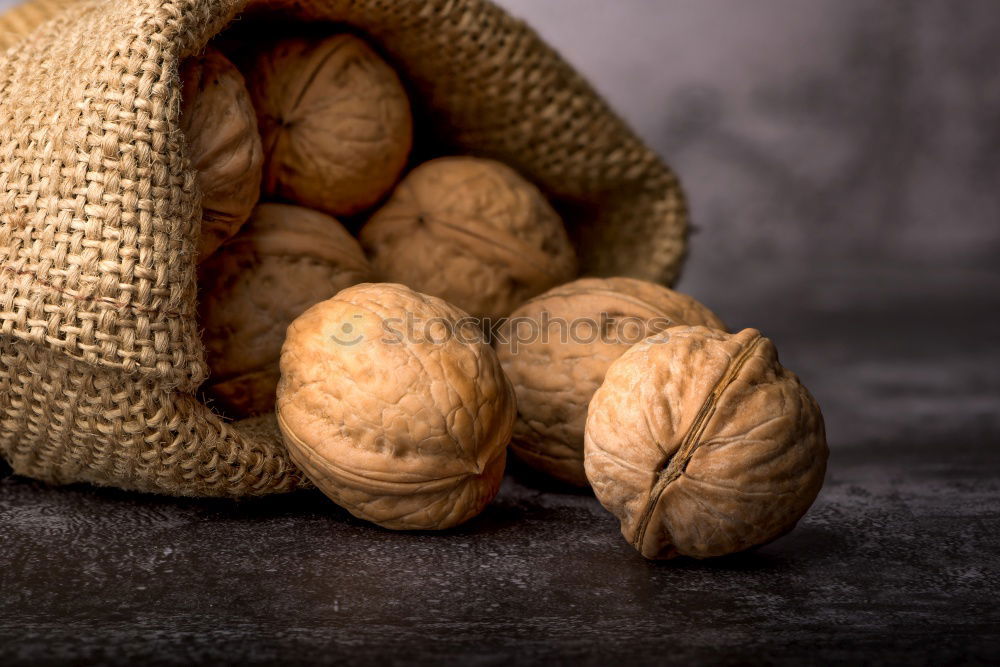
219,124
702,444
284,260
335,122
406,431
587,325
472,232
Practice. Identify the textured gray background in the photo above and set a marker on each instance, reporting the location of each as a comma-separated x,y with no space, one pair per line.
809,135
841,158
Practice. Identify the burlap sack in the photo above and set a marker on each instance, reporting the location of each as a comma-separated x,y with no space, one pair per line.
100,353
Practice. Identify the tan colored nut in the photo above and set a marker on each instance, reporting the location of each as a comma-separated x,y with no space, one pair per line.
283,261
702,444
219,124
404,425
472,232
557,347
335,121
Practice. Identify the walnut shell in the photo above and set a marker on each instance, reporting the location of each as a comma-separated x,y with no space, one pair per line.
335,122
407,430
702,444
472,232
219,124
587,324
283,261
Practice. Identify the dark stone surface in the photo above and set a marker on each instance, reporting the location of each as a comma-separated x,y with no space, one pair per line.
897,561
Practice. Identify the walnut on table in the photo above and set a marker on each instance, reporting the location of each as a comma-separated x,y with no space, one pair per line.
703,444
403,425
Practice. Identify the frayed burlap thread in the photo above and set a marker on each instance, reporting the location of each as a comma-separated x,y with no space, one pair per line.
100,355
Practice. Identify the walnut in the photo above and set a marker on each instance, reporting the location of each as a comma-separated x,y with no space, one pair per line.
702,444
394,405
556,348
218,122
335,122
472,232
283,261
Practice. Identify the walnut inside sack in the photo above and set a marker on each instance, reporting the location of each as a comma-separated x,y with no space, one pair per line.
335,122
557,347
220,128
703,444
473,232
284,260
404,425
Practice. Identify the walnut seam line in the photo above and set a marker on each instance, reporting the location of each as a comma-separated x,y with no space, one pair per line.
674,466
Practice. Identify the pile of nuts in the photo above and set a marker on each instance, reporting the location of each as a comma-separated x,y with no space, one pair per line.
403,359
